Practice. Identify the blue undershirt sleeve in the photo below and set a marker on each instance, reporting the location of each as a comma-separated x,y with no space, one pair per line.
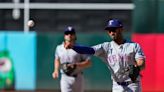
83,49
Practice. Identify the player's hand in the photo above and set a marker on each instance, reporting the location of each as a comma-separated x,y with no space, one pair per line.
55,74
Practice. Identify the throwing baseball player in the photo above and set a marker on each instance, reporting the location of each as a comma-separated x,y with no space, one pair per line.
70,64
124,58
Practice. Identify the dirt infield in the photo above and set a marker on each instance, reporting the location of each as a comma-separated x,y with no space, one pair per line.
44,91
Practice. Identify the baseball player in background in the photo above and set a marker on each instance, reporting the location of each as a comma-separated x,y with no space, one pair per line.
70,64
124,58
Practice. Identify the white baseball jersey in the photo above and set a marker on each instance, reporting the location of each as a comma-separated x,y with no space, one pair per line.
70,83
119,57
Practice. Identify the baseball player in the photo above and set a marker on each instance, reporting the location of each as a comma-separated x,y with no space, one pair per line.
70,64
124,58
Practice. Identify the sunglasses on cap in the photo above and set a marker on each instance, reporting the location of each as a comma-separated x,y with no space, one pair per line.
112,29
69,32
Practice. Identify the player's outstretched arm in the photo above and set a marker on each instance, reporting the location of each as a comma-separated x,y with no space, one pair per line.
83,49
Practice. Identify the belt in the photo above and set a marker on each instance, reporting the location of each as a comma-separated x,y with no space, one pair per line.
75,75
125,83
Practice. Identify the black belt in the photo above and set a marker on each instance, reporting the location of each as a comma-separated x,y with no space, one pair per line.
75,75
125,83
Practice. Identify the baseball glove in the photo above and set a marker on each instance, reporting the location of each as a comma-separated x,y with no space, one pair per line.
134,72
68,68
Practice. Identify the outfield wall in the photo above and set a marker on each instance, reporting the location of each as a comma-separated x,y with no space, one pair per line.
22,49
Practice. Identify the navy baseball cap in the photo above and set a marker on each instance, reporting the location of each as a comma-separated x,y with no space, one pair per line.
69,30
114,23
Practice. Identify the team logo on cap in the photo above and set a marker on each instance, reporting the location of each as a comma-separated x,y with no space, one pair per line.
69,28
110,22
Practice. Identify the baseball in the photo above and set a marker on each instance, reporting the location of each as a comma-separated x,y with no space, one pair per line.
30,23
